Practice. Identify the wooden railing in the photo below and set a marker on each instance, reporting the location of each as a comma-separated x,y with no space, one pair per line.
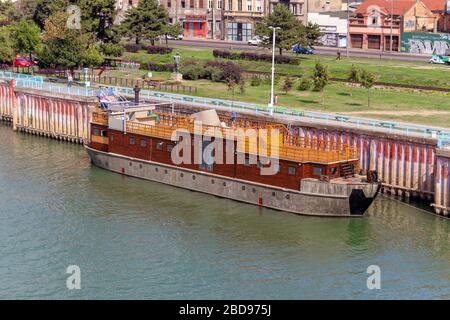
100,118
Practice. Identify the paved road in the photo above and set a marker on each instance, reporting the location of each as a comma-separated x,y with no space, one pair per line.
356,53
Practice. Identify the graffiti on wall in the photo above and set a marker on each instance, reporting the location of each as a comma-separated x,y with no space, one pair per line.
416,42
329,39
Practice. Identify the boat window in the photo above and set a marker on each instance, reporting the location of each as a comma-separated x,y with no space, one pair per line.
143,143
169,147
334,171
247,162
317,171
96,132
159,145
292,170
104,133
132,140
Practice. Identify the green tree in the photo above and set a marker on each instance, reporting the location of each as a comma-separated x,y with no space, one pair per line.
7,47
28,8
321,77
282,18
46,8
173,30
8,12
308,35
354,76
26,37
287,84
97,16
367,80
67,48
146,21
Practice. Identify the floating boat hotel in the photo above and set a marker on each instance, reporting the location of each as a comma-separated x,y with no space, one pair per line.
310,177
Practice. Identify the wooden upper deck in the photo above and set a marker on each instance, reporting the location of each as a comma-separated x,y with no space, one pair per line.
290,147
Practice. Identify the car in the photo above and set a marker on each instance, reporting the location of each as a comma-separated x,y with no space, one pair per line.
302,50
23,62
441,59
256,40
178,37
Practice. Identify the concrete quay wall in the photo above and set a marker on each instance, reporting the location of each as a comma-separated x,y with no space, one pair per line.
56,115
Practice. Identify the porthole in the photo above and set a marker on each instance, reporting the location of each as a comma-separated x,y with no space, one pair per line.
212,181
193,177
224,184
131,164
140,166
288,197
254,190
156,169
273,194
243,188
182,175
165,171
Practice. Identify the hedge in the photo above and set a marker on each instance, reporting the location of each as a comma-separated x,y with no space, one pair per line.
159,67
158,50
131,47
254,56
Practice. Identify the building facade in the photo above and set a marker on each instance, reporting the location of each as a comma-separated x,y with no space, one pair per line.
441,8
377,23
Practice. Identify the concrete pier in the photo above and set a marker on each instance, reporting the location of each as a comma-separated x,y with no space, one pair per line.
51,114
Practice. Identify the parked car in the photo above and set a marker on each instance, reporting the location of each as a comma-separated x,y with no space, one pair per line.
178,37
302,50
256,40
23,62
441,59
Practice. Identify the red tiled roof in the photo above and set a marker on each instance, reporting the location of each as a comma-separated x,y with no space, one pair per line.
435,5
400,6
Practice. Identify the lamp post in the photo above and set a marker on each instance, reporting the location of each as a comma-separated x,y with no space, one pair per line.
274,29
348,29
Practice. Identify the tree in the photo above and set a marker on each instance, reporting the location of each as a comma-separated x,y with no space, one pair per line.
321,77
367,81
67,48
28,8
47,8
173,30
286,36
287,84
146,21
26,37
6,49
308,35
97,16
8,12
354,75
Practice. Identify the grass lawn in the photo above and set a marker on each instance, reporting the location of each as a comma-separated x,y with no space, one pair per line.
432,108
419,73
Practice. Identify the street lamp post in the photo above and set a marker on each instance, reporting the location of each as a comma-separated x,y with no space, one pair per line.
274,29
348,29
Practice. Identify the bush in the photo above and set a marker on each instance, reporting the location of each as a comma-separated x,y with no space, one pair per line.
131,47
213,73
111,49
158,50
159,67
255,81
253,56
192,71
305,84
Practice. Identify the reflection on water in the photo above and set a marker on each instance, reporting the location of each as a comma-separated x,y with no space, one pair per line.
138,239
